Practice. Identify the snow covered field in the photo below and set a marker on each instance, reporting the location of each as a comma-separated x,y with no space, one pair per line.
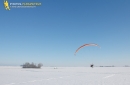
65,76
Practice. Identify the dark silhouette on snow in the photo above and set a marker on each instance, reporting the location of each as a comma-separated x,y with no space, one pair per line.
91,65
32,65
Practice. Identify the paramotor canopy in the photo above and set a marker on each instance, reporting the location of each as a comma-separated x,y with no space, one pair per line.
91,44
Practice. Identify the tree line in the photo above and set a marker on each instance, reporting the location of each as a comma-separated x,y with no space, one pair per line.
32,65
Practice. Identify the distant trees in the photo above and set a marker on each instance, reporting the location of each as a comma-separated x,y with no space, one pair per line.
32,65
126,66
107,66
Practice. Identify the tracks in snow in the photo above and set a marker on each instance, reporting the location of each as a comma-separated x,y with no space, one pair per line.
109,76
36,80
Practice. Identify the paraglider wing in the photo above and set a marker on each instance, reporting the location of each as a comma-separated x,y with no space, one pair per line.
91,44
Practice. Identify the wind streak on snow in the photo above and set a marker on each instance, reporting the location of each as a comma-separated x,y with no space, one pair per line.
109,76
10,84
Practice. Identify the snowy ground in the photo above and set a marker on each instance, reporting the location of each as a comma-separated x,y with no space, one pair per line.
65,76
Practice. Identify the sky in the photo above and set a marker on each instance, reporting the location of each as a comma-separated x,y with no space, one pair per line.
51,33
